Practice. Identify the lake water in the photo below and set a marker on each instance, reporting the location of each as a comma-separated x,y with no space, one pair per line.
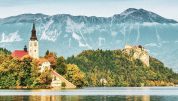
93,94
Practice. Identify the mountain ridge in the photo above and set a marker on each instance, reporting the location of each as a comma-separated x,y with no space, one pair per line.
130,15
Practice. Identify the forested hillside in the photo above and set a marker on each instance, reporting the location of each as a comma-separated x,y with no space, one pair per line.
120,69
89,68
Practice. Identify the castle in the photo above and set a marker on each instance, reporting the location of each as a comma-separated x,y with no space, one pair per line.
138,52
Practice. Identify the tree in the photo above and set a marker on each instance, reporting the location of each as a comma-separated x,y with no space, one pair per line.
44,79
15,72
51,57
63,84
47,52
74,75
61,66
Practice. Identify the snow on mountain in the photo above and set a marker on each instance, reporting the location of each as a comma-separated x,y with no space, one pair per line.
75,29
49,34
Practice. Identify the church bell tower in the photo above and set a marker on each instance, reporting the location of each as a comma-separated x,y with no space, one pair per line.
33,44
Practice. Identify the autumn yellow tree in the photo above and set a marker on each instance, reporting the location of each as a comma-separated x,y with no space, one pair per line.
74,75
51,57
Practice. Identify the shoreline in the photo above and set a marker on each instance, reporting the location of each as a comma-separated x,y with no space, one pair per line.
50,88
97,91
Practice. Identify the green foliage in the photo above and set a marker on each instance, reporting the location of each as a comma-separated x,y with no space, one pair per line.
16,73
63,84
61,66
89,68
70,71
51,57
74,75
119,69
47,53
44,78
5,51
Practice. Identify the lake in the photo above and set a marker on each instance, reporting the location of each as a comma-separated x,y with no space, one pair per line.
93,94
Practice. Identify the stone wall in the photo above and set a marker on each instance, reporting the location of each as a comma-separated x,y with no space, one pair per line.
137,52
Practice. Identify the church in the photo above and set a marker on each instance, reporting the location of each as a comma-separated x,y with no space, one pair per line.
33,47
33,52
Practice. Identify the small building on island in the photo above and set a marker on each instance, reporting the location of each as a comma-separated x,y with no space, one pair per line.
43,64
57,80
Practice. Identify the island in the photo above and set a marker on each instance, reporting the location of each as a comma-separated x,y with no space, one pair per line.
131,66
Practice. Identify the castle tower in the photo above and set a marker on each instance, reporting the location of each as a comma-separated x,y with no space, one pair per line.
33,44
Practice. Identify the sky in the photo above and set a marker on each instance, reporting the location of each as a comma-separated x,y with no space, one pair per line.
102,8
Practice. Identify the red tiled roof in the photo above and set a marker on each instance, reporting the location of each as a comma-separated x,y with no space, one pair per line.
42,60
19,53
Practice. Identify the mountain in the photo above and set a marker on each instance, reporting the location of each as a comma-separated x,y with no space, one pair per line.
139,16
67,35
130,15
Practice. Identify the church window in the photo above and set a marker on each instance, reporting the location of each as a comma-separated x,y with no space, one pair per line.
35,44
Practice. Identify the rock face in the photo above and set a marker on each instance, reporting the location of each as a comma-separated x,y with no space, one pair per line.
137,52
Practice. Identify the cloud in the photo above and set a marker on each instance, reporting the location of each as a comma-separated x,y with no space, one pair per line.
151,45
11,37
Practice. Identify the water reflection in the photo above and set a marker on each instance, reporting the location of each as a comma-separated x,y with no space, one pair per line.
138,98
93,94
88,98
53,98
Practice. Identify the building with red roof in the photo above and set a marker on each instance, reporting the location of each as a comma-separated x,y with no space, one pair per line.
33,47
19,53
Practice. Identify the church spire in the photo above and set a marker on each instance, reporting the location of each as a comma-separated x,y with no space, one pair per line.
33,44
33,26
33,35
